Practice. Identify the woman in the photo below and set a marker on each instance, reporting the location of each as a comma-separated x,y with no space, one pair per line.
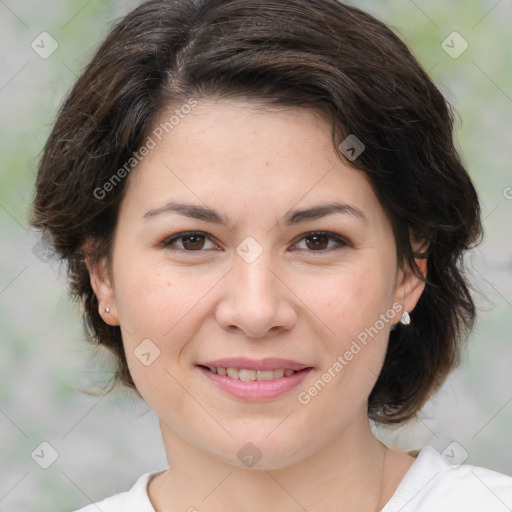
264,216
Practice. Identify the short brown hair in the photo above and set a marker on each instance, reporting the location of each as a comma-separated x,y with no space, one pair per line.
320,54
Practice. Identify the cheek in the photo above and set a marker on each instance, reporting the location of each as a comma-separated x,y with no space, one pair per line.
152,298
154,306
350,299
162,304
351,306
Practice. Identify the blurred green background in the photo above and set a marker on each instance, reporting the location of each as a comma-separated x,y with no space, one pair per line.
104,444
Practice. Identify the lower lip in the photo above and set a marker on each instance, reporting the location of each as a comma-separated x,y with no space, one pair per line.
254,390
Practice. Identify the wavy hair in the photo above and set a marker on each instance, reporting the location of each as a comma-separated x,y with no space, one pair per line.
320,54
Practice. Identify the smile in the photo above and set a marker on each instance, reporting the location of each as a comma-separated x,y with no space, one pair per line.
262,381
251,375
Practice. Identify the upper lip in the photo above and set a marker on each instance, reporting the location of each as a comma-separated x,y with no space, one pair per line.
271,363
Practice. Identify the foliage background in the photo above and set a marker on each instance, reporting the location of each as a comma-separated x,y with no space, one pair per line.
104,444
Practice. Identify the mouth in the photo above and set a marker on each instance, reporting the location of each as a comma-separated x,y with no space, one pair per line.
251,380
251,375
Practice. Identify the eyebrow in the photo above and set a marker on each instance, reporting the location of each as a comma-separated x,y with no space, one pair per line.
293,217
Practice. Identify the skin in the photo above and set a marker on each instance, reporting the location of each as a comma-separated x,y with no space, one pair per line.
296,300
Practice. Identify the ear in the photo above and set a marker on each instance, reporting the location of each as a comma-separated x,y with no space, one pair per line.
101,283
409,286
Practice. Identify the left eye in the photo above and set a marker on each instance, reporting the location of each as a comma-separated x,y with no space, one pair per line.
318,241
195,241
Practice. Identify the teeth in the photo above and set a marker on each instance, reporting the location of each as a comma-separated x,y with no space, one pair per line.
266,375
278,374
249,375
233,373
246,374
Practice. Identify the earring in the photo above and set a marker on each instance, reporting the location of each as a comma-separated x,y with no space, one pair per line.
406,319
107,310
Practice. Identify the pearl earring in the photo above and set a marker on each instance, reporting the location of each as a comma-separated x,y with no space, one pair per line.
406,319
107,310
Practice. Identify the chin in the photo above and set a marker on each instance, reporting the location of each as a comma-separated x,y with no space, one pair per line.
258,452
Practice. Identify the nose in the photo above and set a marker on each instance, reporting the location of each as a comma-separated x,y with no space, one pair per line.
256,299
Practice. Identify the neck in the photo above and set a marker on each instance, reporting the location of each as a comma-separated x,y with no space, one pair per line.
345,474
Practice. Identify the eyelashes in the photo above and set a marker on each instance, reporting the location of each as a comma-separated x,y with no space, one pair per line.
190,235
195,241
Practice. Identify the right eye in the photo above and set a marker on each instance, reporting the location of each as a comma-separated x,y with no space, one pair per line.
190,241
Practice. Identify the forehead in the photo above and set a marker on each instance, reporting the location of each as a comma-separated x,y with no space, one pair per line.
240,152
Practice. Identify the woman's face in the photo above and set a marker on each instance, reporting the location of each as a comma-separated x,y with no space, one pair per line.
252,283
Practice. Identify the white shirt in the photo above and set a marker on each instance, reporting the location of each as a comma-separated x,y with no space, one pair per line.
430,485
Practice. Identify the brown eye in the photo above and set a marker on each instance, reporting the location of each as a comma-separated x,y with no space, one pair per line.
317,242
321,242
191,242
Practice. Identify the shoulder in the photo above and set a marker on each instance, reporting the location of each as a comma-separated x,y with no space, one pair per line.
433,485
135,499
